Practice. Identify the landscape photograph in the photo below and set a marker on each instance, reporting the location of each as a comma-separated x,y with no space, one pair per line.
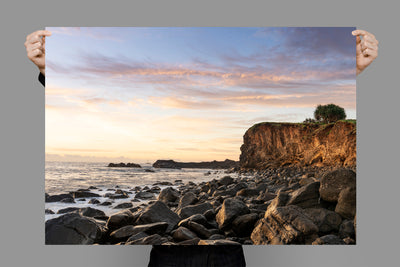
200,136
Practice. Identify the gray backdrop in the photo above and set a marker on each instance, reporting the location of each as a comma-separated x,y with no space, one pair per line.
22,125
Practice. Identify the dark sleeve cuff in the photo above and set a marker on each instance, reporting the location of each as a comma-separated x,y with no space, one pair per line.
42,79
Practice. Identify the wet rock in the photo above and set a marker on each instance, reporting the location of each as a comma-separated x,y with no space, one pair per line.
231,208
244,224
56,198
190,210
120,219
187,199
216,237
125,205
328,240
159,212
283,224
182,233
306,196
150,240
144,195
94,201
347,229
198,218
83,194
137,236
210,214
72,228
106,203
248,192
48,211
346,205
226,180
326,220
67,200
168,194
199,229
332,183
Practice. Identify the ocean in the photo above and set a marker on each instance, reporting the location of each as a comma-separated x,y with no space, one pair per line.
63,177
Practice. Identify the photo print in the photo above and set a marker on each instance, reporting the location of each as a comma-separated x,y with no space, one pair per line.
200,136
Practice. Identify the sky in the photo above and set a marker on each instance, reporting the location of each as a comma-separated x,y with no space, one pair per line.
136,94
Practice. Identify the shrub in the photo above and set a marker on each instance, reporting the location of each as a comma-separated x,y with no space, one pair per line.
329,113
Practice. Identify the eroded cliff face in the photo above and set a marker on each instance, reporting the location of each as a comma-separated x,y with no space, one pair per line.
271,145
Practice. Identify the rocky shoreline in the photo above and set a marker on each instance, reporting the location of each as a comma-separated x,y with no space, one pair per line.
285,205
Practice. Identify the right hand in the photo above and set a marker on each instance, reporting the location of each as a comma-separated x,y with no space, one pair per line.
35,48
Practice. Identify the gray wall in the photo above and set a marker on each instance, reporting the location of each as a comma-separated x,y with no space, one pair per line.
22,124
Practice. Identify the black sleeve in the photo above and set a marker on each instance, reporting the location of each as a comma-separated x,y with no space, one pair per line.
42,79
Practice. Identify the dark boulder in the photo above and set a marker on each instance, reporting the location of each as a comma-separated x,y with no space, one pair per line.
72,228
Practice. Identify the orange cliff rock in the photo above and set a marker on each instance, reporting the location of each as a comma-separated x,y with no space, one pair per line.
272,145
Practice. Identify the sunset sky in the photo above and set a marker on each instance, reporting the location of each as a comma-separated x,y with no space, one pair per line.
188,94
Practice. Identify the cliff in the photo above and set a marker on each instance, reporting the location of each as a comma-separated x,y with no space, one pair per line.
272,145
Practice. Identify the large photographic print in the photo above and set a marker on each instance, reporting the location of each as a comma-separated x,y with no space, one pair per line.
200,136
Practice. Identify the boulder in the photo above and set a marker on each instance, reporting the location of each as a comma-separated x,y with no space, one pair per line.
125,205
187,199
328,240
283,225
56,198
346,205
68,200
226,180
198,218
48,211
182,233
72,228
244,224
83,194
231,208
94,201
119,220
159,212
144,195
168,194
190,210
137,236
199,229
306,196
150,240
326,220
248,192
347,229
332,183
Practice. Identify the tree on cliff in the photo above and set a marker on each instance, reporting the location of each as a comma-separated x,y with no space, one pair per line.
329,113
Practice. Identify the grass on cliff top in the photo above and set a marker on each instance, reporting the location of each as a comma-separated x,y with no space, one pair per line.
278,124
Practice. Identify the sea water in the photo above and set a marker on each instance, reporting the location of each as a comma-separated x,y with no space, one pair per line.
64,177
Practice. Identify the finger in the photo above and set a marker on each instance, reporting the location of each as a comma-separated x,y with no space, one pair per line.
37,36
34,46
34,53
38,33
358,39
370,38
370,45
359,32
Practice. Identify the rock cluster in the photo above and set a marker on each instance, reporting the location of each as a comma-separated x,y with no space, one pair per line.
295,205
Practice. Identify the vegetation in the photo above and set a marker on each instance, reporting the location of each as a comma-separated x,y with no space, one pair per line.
329,113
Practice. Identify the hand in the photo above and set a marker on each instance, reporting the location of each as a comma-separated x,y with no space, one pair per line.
35,48
366,49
